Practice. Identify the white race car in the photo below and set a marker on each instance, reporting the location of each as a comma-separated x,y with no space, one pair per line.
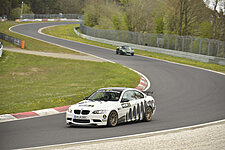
110,106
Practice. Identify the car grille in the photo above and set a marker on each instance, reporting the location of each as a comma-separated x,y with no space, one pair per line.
81,121
97,120
83,112
76,111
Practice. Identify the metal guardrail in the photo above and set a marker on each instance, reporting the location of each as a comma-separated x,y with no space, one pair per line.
196,45
11,39
52,16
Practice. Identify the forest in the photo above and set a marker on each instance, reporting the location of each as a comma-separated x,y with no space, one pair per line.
202,18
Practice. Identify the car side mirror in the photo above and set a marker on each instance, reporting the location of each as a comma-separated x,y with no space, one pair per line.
125,100
85,98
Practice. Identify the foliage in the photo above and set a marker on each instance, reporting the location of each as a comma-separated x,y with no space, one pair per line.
205,30
181,17
104,16
43,6
16,12
159,25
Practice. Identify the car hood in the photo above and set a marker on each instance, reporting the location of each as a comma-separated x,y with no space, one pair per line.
93,105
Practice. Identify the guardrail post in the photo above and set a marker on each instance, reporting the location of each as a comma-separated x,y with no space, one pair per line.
176,43
182,43
200,46
191,43
218,49
208,46
168,46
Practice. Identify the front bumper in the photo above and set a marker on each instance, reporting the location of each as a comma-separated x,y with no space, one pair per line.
90,119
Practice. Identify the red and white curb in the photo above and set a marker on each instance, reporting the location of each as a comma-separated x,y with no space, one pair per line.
39,20
31,114
142,86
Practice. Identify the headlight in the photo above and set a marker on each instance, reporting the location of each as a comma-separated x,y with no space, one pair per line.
99,111
69,110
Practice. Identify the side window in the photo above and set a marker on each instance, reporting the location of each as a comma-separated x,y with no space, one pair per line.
138,95
130,95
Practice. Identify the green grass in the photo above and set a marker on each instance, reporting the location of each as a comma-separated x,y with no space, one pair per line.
66,32
31,82
32,44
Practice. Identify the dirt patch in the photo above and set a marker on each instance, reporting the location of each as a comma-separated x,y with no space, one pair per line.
29,72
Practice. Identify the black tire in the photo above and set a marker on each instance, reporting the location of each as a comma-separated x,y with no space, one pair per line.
112,119
116,51
148,114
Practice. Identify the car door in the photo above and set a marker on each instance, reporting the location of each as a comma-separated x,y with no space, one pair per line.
129,105
140,105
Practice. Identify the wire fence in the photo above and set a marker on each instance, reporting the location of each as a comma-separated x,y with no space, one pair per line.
189,44
52,16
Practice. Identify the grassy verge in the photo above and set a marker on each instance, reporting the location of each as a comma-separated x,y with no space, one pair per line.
66,32
33,82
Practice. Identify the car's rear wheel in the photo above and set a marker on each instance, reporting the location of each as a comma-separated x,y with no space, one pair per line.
112,119
116,51
148,114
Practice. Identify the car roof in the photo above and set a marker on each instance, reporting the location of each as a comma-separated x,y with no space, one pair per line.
116,88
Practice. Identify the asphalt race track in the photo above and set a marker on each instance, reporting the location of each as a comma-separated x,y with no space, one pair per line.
185,96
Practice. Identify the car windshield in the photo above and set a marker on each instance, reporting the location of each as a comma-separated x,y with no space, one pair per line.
127,48
105,95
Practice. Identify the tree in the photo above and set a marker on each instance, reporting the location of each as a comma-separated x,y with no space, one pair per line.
15,13
70,6
99,14
205,30
138,14
217,13
159,25
184,16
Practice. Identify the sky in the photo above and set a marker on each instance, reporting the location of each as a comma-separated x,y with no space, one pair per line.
220,5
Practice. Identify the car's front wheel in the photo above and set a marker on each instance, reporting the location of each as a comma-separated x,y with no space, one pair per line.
148,114
112,119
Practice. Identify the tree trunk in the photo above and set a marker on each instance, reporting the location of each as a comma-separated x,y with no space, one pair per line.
214,19
181,17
